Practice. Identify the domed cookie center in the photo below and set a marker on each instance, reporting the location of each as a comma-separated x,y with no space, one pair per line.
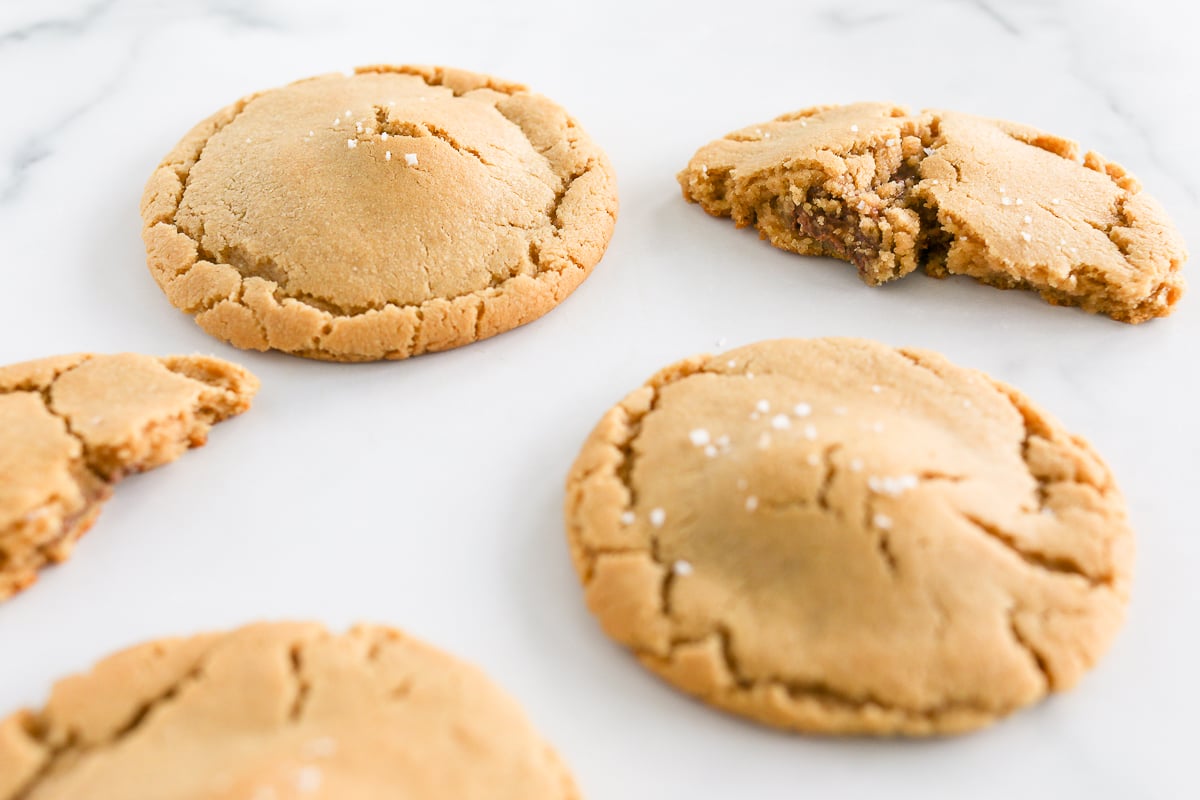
353,192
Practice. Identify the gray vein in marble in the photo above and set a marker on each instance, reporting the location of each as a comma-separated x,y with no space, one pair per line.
995,16
40,144
58,27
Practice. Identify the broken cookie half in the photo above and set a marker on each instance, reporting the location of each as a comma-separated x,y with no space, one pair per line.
72,426
954,194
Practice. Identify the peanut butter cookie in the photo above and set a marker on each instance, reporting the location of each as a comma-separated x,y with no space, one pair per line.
952,193
72,426
839,537
279,711
378,215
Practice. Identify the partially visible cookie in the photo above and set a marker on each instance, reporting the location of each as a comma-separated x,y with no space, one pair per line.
839,537
279,711
72,426
952,193
378,215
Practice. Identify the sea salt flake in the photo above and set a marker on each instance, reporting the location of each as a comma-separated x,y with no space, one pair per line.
882,521
1027,236
762,406
657,517
682,568
628,518
810,432
699,437
751,503
351,143
781,422
710,450
802,409
410,159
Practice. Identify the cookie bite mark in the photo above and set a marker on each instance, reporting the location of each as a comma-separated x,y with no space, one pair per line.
73,427
950,193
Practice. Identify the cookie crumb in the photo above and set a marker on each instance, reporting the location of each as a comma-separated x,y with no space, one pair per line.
781,422
682,568
657,517
699,437
802,409
751,504
628,518
410,159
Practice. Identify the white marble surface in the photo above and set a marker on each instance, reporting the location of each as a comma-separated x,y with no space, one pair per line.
426,494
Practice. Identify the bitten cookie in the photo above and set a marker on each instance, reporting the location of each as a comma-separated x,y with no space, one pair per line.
378,215
839,537
952,193
72,426
284,710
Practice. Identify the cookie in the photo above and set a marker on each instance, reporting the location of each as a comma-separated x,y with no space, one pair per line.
951,193
835,536
279,711
378,215
72,426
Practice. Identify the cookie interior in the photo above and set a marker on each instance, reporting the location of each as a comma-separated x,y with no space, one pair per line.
949,193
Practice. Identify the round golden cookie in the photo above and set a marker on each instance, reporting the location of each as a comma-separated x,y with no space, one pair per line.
275,712
840,537
383,214
71,427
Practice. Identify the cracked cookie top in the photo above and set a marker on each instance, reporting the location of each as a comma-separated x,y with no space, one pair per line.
72,426
279,711
836,536
952,193
382,214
